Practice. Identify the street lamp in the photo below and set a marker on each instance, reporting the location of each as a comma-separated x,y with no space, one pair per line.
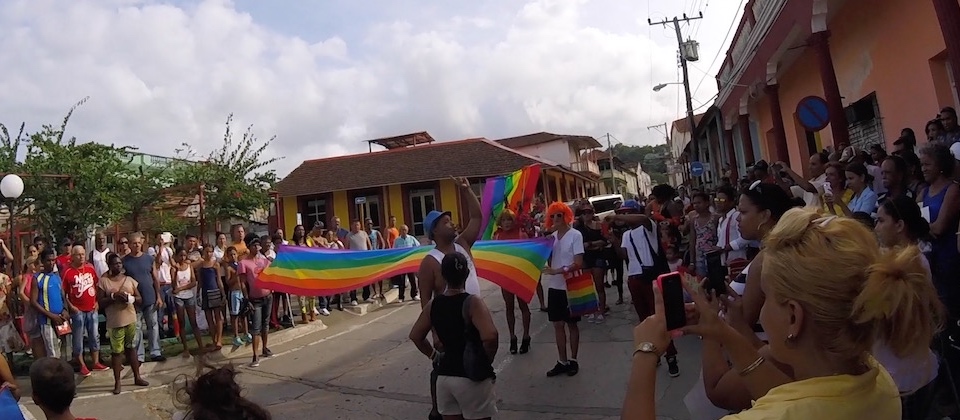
657,88
11,187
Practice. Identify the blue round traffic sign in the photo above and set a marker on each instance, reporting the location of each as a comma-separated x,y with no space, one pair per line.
813,114
696,168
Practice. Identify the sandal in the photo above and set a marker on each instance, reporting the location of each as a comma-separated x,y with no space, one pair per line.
525,345
513,345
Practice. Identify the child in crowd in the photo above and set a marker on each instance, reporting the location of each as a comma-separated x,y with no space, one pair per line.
54,388
674,259
237,295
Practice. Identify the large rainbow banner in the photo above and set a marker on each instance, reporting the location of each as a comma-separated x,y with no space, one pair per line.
507,192
512,265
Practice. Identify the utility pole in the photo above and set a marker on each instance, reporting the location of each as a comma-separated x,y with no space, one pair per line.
613,179
686,80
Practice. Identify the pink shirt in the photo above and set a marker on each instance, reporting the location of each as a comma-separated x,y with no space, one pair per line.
250,269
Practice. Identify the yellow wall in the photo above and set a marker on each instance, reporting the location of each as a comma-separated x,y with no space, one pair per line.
449,199
396,204
289,215
341,208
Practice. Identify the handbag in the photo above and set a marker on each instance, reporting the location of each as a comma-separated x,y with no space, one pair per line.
659,266
64,329
213,298
582,298
476,364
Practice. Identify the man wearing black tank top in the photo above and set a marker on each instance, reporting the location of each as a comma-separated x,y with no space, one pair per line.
439,228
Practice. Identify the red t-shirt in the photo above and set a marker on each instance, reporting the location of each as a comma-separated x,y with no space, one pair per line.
81,286
63,262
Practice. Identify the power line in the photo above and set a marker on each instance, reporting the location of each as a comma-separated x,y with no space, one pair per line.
722,44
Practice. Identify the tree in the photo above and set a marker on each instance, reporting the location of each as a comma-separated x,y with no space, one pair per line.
653,159
91,187
234,177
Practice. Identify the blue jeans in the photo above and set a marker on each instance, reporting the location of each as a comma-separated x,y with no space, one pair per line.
169,306
323,302
85,322
147,320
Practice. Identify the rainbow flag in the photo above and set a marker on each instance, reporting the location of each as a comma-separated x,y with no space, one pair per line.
507,192
582,294
512,265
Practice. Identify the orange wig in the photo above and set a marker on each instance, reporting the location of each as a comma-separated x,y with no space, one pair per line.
561,208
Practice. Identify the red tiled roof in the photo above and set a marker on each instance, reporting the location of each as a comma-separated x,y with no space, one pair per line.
431,162
585,142
682,126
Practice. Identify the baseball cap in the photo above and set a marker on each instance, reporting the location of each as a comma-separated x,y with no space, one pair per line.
631,206
430,221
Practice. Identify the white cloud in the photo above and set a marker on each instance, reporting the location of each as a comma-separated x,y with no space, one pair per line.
158,75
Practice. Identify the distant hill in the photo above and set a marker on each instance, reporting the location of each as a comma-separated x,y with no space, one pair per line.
652,158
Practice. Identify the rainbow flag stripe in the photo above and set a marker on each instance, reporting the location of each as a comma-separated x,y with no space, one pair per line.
507,192
512,265
582,294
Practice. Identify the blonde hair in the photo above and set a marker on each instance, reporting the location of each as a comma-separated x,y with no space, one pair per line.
852,293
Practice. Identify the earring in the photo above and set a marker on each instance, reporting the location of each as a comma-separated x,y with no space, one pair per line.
790,340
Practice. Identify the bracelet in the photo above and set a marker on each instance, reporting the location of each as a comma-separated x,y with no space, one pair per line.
753,366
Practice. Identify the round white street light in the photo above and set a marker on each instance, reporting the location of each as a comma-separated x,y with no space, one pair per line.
11,186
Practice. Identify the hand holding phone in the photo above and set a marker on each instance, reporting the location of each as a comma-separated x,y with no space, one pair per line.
671,287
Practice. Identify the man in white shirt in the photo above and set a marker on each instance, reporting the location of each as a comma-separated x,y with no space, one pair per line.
646,261
566,258
728,230
813,188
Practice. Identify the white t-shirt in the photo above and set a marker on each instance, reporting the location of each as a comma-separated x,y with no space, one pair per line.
100,261
565,249
643,239
472,285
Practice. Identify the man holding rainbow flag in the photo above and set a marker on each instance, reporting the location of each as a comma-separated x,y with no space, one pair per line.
440,229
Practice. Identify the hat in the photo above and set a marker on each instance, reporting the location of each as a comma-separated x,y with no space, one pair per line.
250,239
761,165
430,221
631,206
318,225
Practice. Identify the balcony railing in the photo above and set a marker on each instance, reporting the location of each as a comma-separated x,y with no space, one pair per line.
585,166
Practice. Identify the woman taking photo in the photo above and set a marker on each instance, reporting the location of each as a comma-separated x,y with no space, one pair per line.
460,320
822,325
862,199
835,189
509,229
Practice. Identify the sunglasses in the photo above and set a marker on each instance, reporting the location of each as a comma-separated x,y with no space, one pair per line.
556,216
720,200
124,242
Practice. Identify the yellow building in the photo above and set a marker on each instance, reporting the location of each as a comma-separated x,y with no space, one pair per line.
408,180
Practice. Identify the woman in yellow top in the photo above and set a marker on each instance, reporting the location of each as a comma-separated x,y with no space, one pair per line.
822,324
835,190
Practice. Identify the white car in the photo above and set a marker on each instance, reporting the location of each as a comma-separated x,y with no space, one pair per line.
603,205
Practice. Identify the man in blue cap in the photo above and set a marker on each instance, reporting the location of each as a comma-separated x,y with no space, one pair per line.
440,229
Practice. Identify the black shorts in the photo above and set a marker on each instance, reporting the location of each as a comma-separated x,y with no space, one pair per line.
594,261
558,309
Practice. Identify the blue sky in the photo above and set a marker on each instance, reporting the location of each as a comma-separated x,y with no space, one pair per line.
324,75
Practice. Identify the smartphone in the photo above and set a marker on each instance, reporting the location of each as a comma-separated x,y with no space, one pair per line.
716,273
671,286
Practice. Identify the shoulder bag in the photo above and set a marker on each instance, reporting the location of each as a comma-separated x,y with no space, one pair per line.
476,364
660,265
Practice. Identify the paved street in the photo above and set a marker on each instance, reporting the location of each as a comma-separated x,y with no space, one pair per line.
364,367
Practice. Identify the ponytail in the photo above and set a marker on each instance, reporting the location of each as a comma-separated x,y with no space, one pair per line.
898,303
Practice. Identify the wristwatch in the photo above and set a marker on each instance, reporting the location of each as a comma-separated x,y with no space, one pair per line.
646,347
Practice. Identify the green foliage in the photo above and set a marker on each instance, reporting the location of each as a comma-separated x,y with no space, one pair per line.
235,179
91,191
652,158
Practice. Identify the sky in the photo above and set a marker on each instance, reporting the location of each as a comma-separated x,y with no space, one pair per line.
325,75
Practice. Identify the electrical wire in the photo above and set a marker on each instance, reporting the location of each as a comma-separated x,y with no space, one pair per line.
722,44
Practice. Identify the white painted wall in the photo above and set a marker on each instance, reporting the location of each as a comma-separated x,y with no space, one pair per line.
557,151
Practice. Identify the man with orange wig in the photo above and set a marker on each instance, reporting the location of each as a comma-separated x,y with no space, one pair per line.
566,258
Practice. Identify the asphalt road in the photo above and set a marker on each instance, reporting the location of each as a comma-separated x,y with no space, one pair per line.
364,367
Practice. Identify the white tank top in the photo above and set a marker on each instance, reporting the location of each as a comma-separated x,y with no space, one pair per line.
473,284
183,278
100,261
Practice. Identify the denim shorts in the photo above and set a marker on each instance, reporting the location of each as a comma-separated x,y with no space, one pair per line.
236,299
261,314
189,302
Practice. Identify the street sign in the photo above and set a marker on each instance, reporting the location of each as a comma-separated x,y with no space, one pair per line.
813,113
359,200
696,168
